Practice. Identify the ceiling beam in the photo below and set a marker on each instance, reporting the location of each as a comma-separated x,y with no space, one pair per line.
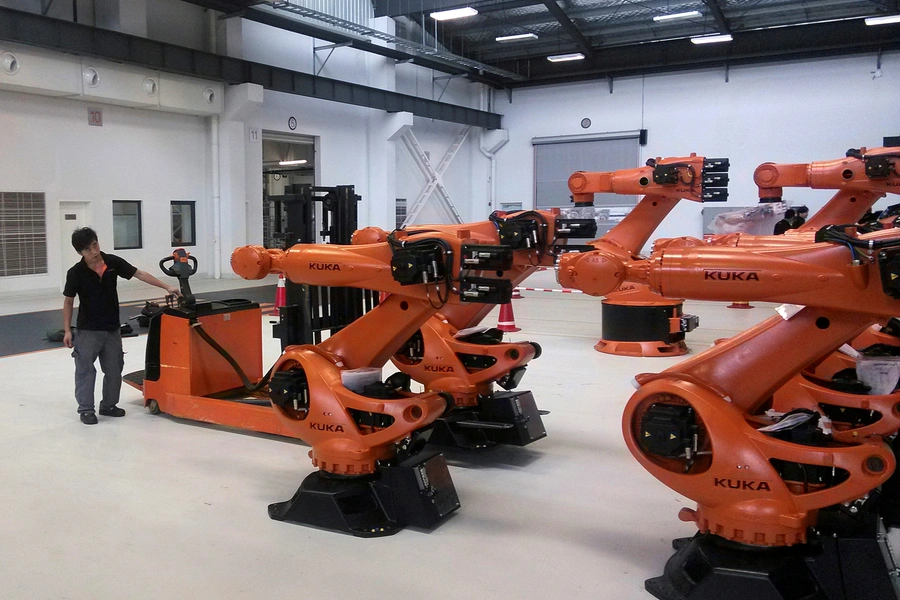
718,15
569,27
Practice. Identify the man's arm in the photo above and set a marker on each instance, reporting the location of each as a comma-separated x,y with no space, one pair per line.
68,306
151,280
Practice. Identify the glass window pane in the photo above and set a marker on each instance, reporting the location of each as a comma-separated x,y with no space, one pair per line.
126,224
183,228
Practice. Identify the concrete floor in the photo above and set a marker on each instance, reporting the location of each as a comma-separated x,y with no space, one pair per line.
153,507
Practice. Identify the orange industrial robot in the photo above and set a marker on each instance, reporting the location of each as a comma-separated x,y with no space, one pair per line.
448,353
639,323
635,321
373,475
861,178
785,506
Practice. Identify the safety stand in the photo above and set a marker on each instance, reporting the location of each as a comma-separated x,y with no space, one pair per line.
846,559
510,418
417,492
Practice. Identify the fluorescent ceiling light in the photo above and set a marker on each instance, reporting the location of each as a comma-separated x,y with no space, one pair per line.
517,37
454,13
883,20
288,163
712,39
673,17
565,57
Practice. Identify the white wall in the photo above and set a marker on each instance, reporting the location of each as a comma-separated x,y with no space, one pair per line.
353,146
791,112
47,146
157,157
280,48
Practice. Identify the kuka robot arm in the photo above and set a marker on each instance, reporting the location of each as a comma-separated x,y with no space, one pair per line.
873,170
663,182
531,235
817,274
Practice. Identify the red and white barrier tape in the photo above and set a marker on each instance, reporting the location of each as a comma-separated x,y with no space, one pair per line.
563,291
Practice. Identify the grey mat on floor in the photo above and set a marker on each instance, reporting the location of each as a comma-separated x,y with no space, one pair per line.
27,332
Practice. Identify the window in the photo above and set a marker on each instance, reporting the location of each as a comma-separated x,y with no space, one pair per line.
126,224
23,234
184,228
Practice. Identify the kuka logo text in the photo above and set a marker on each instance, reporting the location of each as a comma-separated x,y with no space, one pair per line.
743,484
317,266
731,275
438,369
326,427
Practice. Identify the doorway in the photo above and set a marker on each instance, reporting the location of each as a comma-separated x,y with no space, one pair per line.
288,160
72,216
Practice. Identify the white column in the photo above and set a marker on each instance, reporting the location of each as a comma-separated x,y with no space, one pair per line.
240,170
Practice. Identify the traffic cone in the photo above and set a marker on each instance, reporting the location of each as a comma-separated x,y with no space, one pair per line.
280,293
516,295
507,321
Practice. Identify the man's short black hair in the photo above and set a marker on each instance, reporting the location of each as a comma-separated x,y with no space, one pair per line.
83,238
790,213
801,210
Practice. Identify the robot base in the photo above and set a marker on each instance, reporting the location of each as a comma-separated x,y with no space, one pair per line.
647,349
846,561
416,492
653,327
502,418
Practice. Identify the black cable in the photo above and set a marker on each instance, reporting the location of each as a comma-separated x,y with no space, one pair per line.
237,368
528,215
835,233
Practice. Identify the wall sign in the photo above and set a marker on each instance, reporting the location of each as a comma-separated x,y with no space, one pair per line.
95,117
292,123
253,134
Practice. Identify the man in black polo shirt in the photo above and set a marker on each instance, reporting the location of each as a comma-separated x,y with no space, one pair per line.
93,280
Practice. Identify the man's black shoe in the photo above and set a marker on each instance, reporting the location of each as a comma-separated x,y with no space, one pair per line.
115,411
89,418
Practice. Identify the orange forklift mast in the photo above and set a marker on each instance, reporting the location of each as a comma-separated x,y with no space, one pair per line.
450,354
777,493
635,321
